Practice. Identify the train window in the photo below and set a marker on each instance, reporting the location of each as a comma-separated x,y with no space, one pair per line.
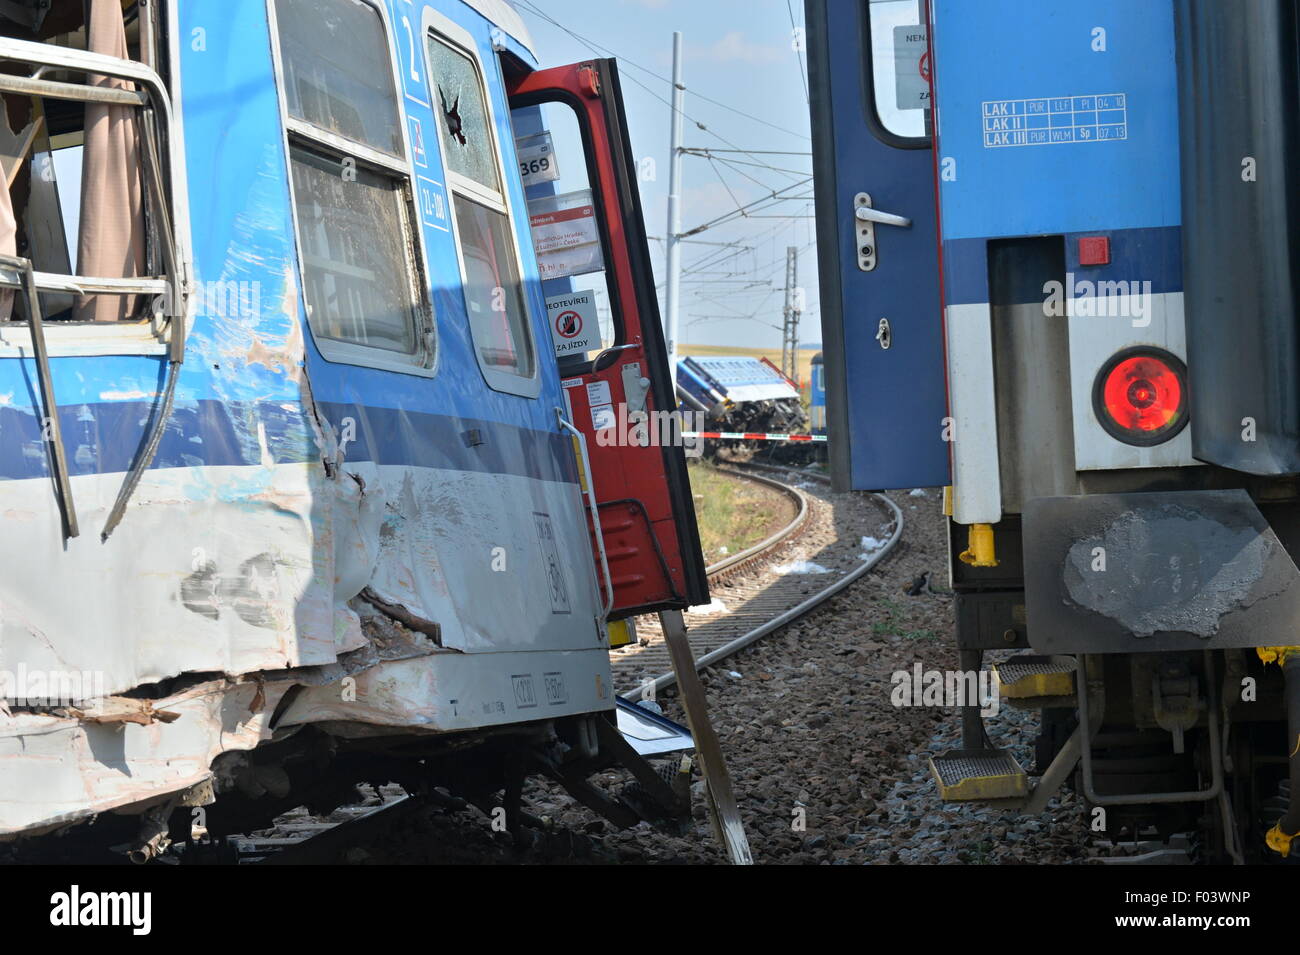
79,196
568,228
357,239
353,95
494,298
460,99
900,70
353,229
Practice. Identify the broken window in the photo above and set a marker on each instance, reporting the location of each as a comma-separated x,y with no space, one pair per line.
351,183
494,298
84,151
464,115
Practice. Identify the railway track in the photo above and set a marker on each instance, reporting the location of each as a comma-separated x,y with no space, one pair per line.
761,589
758,600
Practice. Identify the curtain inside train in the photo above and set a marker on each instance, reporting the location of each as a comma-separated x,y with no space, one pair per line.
8,238
111,243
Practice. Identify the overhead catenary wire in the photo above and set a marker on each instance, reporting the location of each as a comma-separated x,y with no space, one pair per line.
728,267
600,48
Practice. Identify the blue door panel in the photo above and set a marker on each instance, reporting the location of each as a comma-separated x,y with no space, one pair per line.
886,405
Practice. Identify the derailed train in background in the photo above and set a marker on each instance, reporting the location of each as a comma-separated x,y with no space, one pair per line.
1093,342
299,489
741,393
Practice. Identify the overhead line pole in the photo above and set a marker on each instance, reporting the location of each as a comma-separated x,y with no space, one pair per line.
790,332
672,297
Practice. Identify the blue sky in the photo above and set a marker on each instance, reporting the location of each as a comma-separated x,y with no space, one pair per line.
740,54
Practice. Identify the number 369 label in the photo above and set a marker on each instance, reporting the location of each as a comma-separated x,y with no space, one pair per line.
537,158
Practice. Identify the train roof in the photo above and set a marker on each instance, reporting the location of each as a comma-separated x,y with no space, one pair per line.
505,16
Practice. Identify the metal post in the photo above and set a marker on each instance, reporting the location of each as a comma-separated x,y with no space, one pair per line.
790,326
672,295
708,749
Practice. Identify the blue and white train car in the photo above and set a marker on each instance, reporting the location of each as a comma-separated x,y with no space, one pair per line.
740,393
302,482
1058,273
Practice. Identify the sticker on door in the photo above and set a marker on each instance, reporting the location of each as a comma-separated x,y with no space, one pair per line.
574,326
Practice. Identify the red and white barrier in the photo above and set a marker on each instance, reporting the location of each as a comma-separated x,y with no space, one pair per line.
752,436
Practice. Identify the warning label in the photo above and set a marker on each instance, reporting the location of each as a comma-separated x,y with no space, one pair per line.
912,67
574,326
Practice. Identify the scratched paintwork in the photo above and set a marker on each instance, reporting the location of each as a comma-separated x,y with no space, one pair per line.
248,540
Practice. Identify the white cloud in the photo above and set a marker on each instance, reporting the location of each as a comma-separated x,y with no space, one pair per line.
733,48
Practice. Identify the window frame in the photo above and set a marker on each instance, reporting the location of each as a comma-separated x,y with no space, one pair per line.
438,28
572,364
874,123
301,134
150,334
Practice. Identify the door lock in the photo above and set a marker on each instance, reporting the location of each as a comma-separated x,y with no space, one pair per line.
884,335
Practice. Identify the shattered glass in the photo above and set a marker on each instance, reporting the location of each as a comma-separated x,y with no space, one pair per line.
466,139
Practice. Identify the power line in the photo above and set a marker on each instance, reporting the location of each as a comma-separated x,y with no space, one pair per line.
709,269
597,47
775,197
798,52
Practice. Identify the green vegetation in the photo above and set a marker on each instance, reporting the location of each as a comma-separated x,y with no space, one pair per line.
733,513
895,623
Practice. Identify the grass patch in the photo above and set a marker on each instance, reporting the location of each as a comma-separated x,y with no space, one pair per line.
895,623
732,513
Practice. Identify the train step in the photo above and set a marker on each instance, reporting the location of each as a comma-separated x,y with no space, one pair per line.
1036,682
979,775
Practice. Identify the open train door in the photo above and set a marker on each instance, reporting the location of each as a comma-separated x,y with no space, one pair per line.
585,209
882,332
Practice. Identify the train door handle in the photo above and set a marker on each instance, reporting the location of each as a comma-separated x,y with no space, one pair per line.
868,214
865,219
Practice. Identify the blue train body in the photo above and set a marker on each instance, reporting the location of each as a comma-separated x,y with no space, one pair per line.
373,526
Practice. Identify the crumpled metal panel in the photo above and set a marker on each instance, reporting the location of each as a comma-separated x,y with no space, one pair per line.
1179,570
283,486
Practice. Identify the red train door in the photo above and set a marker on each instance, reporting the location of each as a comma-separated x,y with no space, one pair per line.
579,176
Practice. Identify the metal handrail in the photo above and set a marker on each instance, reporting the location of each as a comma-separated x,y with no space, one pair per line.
51,429
11,277
47,56
608,581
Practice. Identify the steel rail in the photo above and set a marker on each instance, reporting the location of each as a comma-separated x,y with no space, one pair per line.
653,687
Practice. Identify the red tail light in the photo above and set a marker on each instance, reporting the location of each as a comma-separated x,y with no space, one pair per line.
1140,396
